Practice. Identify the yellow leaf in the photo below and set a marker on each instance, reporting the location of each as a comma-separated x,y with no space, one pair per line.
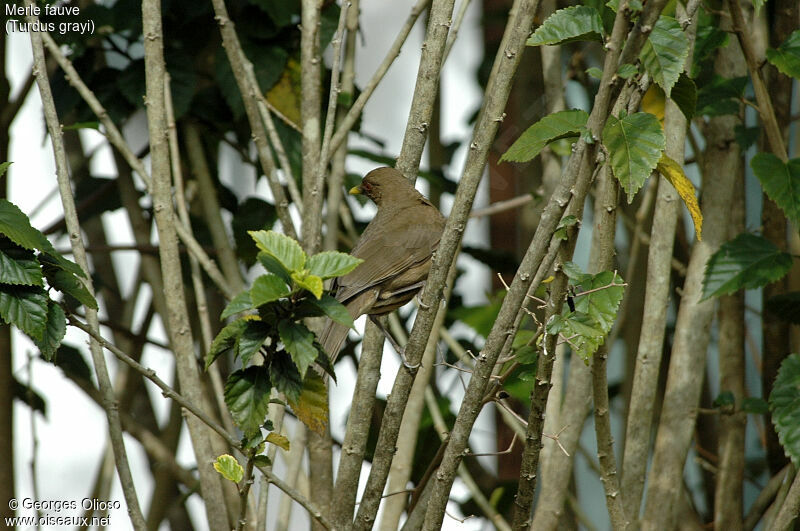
312,406
284,96
229,468
653,102
278,440
673,172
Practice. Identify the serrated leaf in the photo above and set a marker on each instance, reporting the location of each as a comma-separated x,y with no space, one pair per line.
634,145
229,468
273,266
67,283
267,288
225,341
247,397
20,271
308,282
278,440
299,342
262,460
785,307
746,262
786,57
334,309
580,331
285,376
312,406
604,292
781,182
673,172
564,223
240,303
552,127
596,305
594,72
664,53
54,331
576,23
329,264
25,308
17,227
784,401
746,136
281,247
249,343
627,70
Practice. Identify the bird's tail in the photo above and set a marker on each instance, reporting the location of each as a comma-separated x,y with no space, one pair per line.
332,338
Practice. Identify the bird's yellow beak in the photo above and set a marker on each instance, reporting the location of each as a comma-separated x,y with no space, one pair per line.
356,190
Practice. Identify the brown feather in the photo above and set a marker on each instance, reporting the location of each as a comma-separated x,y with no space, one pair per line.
396,247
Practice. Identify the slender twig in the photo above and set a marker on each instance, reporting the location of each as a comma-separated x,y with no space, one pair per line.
502,206
244,491
765,108
74,229
764,498
451,39
116,139
246,80
354,112
170,393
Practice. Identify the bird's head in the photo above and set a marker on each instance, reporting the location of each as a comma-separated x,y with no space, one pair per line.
383,185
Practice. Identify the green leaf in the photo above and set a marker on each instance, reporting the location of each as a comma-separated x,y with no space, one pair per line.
785,307
479,318
54,331
308,282
576,23
786,57
254,335
66,282
627,70
273,266
262,460
25,308
285,376
565,223
229,468
4,167
784,401
20,271
746,262
284,249
634,145
664,53
331,264
240,303
781,182
247,397
684,94
16,226
552,127
267,288
594,72
582,332
606,290
334,309
312,406
721,96
299,342
596,305
226,341
725,400
746,136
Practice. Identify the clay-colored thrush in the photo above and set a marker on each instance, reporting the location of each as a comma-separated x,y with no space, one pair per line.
396,247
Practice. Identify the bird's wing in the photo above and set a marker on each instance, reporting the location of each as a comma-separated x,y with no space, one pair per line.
386,253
